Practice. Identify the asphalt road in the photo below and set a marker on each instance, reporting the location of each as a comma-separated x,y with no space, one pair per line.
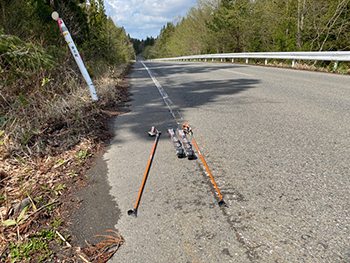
277,142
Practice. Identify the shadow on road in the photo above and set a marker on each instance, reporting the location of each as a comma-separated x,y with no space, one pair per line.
148,106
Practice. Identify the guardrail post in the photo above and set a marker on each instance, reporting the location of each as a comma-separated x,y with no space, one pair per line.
265,61
293,63
233,60
205,60
246,61
221,60
335,65
212,60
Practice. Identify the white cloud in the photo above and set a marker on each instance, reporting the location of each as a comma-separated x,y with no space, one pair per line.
142,18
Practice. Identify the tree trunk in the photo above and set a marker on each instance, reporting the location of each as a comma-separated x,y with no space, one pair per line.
3,18
301,17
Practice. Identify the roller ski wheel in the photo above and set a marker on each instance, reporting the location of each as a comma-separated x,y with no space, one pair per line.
190,155
186,144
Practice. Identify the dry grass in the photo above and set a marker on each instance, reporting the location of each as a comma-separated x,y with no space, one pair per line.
52,114
48,133
319,66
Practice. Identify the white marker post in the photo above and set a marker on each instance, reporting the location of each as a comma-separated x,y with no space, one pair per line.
76,54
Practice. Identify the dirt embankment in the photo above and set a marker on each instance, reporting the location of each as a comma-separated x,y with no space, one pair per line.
37,178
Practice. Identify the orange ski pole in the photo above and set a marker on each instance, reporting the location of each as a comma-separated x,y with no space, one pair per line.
133,212
188,129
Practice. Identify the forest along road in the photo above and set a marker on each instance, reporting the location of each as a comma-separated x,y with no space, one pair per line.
278,144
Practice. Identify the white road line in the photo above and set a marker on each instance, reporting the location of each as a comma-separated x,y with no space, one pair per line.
239,73
164,95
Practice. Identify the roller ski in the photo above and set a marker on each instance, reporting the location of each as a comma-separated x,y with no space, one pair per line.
176,142
186,144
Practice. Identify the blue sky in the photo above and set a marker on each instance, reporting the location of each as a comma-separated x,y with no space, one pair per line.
142,18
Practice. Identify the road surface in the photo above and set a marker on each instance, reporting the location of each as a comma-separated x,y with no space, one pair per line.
277,142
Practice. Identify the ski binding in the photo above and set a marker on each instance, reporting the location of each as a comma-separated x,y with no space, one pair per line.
176,142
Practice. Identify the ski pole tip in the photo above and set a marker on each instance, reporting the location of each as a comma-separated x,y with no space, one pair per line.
132,212
222,203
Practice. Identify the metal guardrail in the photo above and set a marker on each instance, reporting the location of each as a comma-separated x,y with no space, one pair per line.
335,56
